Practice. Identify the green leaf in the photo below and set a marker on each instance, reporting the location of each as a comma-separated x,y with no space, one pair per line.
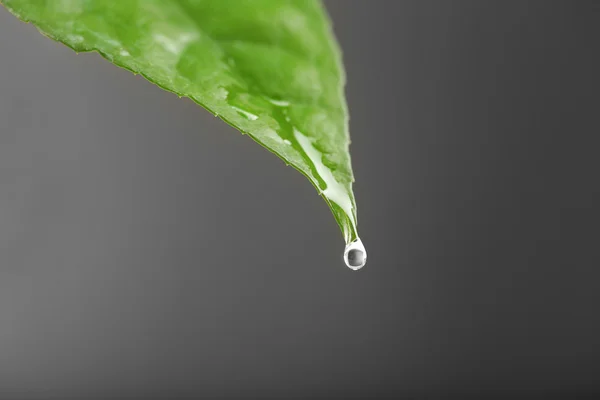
270,68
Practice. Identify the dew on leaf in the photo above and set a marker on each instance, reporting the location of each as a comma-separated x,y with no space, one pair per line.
246,114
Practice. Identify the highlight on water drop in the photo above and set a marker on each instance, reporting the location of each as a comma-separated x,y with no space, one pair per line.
355,255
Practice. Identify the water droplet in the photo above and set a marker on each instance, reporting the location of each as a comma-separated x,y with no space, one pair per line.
355,255
75,38
278,103
221,93
245,114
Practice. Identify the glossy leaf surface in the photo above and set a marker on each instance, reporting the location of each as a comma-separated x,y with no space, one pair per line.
270,68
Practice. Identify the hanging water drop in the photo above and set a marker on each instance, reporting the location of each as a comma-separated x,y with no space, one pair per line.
355,255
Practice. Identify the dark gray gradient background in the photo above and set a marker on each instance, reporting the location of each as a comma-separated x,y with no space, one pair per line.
147,249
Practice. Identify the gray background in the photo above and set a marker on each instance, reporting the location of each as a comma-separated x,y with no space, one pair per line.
148,249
